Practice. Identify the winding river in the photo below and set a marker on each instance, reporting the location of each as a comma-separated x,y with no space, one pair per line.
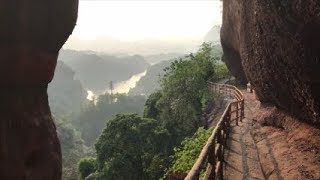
122,87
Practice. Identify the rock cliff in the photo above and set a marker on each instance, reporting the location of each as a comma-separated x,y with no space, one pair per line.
230,40
31,34
275,44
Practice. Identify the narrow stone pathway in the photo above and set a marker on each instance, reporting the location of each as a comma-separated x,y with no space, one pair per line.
270,144
241,155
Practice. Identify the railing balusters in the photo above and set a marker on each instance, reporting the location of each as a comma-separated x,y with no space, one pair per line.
242,110
210,171
213,151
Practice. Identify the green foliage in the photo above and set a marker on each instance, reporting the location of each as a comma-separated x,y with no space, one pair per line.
151,110
222,72
86,166
131,146
72,148
179,105
185,156
185,93
92,119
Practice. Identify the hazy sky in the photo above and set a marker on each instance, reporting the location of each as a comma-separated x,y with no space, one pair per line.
132,20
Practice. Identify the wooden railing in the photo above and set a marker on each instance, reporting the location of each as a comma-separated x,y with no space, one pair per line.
212,154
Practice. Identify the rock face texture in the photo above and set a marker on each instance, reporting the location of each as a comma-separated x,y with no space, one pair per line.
276,44
31,34
230,38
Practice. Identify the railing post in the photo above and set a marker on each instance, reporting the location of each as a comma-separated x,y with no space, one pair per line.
211,167
220,156
224,132
213,152
237,113
242,110
228,119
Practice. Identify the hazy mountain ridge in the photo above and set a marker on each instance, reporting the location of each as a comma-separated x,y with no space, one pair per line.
143,47
96,70
213,35
150,82
157,58
66,94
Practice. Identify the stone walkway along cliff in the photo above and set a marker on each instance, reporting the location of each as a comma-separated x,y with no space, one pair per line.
241,155
267,144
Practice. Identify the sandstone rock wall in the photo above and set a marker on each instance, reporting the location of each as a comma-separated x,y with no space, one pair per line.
278,45
31,34
230,38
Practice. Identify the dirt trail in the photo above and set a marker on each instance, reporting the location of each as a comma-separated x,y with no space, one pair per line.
270,144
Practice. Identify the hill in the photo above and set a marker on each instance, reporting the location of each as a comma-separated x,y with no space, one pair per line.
95,70
66,95
213,35
157,58
150,82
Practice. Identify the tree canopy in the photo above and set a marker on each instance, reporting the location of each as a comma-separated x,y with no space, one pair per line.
134,147
92,119
129,146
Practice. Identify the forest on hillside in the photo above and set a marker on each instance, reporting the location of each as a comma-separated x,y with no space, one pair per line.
134,135
166,103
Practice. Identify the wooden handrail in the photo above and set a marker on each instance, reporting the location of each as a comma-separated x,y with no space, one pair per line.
213,152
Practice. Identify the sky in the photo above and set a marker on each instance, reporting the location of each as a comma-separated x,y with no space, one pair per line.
146,20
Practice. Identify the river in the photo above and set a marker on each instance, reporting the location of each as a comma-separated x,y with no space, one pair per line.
122,87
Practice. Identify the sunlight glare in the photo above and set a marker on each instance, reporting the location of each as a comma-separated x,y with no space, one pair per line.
141,20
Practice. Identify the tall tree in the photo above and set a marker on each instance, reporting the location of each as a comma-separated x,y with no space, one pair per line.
130,147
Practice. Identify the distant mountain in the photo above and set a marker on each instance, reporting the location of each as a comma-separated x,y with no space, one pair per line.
66,95
143,47
95,70
150,82
154,59
213,35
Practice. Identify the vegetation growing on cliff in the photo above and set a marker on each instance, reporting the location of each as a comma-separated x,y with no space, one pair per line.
185,93
185,155
73,148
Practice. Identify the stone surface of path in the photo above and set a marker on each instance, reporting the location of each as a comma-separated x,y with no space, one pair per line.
271,144
241,155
